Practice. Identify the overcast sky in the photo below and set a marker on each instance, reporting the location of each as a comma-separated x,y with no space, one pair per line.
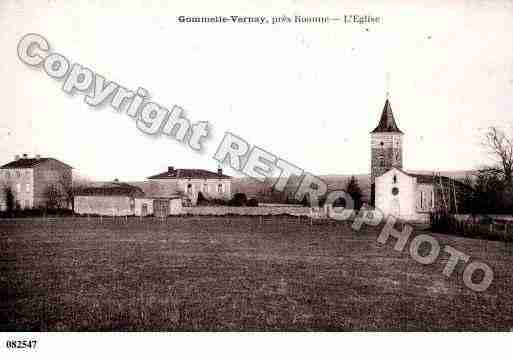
308,93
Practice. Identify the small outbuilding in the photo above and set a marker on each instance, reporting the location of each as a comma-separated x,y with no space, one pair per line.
112,199
122,199
169,206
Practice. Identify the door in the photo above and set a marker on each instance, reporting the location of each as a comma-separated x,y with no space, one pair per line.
161,208
144,210
395,209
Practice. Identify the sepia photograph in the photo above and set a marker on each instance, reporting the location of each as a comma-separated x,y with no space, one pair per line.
295,170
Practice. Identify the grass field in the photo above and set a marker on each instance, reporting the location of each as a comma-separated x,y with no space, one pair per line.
235,273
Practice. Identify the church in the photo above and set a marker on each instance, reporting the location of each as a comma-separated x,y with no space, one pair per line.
406,196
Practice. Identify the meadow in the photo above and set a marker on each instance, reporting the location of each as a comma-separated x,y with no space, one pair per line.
233,274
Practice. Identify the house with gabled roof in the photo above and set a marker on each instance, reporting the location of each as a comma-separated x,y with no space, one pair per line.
190,183
110,199
29,180
123,199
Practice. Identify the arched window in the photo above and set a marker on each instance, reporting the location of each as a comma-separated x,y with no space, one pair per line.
220,188
395,179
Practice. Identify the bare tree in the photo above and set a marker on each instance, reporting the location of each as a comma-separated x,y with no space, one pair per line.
500,147
68,189
53,197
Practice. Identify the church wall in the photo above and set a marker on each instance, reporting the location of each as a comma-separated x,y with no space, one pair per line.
401,205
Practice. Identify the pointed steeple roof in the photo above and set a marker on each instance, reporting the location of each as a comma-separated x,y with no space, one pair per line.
387,121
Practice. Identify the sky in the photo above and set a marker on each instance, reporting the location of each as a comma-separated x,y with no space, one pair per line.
308,93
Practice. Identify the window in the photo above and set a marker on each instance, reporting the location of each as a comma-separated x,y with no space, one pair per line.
27,203
8,174
18,174
382,162
18,187
395,179
205,188
189,188
27,187
421,199
220,188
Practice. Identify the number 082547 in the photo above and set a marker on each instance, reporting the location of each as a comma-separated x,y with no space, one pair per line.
21,344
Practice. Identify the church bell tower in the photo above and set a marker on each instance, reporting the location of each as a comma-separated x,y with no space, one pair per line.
386,146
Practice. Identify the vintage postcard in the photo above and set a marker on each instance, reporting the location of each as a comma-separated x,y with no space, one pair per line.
255,166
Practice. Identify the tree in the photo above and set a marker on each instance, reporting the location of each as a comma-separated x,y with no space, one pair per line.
9,199
53,197
252,202
238,200
201,200
469,203
68,190
500,147
491,194
354,190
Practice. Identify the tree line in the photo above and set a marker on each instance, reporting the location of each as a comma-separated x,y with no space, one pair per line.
492,185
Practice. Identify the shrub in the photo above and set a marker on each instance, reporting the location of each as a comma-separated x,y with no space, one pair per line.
9,199
252,202
201,201
238,200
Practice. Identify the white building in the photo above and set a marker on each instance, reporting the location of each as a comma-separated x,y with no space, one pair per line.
406,196
122,199
191,182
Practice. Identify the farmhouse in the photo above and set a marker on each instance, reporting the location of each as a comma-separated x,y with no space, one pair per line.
33,180
190,183
122,199
404,195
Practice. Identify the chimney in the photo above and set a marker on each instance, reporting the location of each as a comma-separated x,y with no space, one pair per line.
170,169
25,155
219,171
17,157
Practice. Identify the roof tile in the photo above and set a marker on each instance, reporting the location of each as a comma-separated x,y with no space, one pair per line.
188,173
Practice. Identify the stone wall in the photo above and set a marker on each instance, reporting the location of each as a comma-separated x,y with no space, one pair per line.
246,211
104,205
